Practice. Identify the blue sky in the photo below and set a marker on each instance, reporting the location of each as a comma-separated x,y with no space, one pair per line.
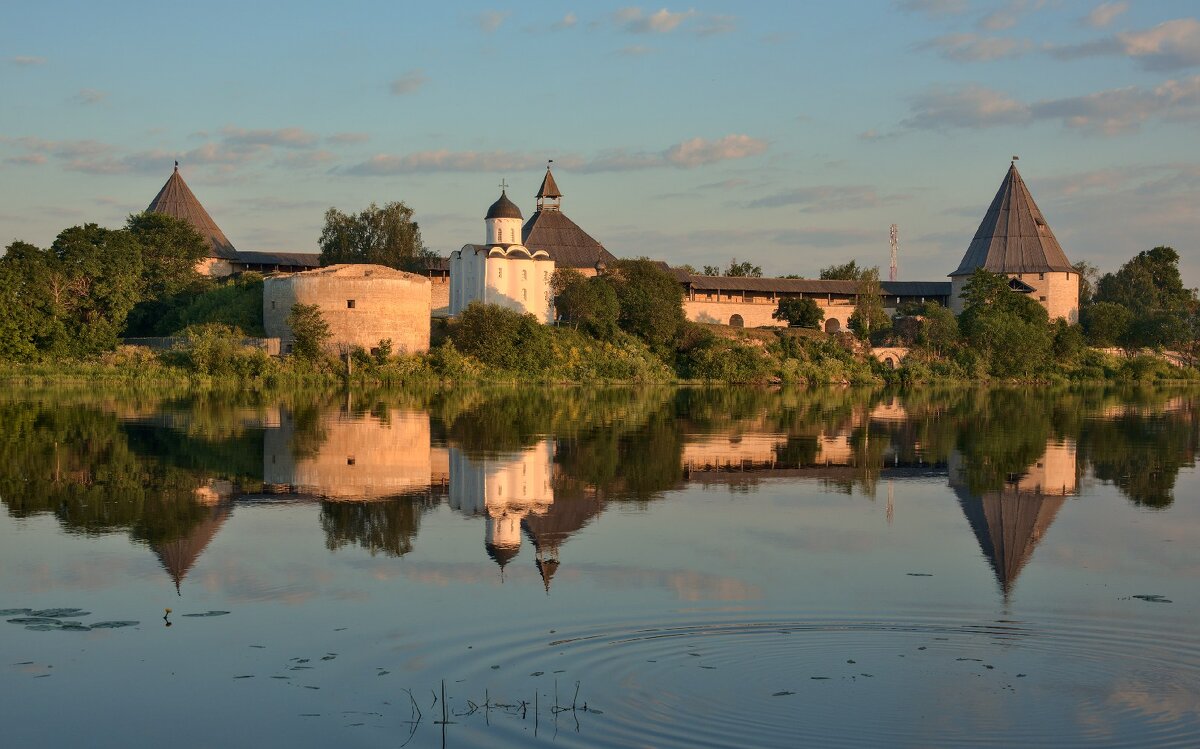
791,134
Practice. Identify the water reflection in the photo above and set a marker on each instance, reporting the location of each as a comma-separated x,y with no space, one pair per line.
538,467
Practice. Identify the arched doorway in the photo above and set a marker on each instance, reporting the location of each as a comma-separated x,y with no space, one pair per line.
889,362
832,325
737,322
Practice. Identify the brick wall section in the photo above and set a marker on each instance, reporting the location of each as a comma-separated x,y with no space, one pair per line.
757,314
439,292
387,303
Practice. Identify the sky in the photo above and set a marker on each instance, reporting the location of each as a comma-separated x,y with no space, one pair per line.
791,134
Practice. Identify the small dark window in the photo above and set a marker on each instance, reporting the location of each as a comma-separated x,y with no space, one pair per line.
1041,276
1041,299
349,461
272,305
349,304
288,350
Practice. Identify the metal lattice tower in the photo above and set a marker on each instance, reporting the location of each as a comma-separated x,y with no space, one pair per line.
895,234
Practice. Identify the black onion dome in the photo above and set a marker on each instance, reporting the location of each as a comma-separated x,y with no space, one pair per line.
504,208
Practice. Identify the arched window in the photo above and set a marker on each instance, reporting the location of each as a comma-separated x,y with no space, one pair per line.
524,275
500,272
737,322
525,295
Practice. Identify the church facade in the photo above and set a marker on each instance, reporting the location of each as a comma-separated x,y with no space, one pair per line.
502,270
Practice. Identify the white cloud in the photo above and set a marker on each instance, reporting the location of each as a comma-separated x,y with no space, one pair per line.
698,151
716,24
976,48
490,21
288,137
965,107
29,159
1104,14
662,21
1110,112
685,155
90,96
408,83
566,22
27,60
933,8
348,138
1007,16
1171,45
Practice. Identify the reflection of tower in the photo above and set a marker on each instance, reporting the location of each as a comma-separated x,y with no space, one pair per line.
891,508
344,456
179,555
1010,522
504,489
550,530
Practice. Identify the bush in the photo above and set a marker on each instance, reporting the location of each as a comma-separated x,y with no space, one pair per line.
310,332
236,302
216,350
502,338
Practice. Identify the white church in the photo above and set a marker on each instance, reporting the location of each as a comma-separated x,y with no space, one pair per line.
502,270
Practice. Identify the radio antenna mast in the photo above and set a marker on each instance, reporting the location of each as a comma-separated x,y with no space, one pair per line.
895,234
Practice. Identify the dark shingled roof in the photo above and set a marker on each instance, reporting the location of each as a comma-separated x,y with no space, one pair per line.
504,208
297,259
815,286
176,199
567,244
549,188
1014,236
1008,525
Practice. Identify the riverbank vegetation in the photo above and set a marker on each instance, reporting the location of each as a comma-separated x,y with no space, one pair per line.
64,310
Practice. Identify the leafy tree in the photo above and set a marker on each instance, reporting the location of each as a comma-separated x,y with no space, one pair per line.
799,312
236,302
846,272
382,236
310,332
1089,275
712,270
651,302
502,338
1149,282
1008,328
92,278
1105,323
939,328
171,248
588,303
1069,342
744,269
869,316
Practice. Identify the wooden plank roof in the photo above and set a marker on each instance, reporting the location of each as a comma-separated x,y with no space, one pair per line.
1013,236
176,199
560,237
814,286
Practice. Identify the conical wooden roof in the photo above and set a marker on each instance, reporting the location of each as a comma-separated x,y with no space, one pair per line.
179,555
177,199
1014,236
1008,525
549,188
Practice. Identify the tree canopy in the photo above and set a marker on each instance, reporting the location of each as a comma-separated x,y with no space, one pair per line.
651,302
799,312
385,235
869,316
846,272
1007,328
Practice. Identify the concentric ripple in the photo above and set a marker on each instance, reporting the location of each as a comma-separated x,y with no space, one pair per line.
829,682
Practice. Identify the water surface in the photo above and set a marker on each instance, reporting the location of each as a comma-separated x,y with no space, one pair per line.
630,567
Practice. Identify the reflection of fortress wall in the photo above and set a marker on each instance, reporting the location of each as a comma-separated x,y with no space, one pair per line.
892,411
1055,473
359,457
504,489
716,451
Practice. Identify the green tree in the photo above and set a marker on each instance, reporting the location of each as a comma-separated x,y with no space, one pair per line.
1089,276
845,272
1105,323
651,302
1149,282
92,278
711,270
310,332
171,248
744,269
799,312
869,316
502,338
587,303
1069,341
939,328
1007,328
382,236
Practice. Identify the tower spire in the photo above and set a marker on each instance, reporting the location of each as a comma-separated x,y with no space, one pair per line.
549,197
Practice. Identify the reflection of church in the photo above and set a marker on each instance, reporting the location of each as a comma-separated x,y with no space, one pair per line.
1010,522
180,554
516,494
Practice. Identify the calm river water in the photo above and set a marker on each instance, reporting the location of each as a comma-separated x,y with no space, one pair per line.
629,567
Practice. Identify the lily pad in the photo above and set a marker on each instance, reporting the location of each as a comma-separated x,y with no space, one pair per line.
1152,598
15,612
75,627
41,627
60,613
209,613
784,693
34,620
114,625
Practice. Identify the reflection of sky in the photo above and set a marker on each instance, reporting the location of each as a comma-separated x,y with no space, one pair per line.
787,552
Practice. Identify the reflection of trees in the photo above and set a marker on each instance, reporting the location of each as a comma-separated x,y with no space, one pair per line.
386,526
1141,454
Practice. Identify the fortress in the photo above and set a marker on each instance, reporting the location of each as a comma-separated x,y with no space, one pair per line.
515,263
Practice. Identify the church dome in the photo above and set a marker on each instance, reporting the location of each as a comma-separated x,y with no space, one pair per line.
504,208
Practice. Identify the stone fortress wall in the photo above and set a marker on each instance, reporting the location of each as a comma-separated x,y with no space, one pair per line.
363,305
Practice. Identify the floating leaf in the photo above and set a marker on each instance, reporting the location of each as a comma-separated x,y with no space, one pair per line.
1152,598
41,627
114,625
209,613
784,693
15,612
74,627
34,620
60,613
